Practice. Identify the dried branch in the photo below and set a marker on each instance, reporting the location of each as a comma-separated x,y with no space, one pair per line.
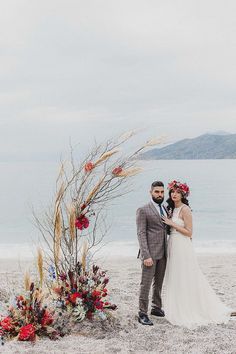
76,221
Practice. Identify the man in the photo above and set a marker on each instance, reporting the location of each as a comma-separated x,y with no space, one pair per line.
152,242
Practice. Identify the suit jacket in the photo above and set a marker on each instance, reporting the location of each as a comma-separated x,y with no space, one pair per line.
151,231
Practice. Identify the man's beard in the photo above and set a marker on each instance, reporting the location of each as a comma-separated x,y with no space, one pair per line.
158,200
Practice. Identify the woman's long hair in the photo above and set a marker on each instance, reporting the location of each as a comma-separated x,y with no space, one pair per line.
171,204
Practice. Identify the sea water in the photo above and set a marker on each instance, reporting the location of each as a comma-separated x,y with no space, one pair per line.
31,185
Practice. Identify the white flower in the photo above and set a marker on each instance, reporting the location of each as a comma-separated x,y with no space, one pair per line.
91,283
79,313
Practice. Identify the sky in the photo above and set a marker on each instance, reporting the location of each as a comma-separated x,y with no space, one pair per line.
74,70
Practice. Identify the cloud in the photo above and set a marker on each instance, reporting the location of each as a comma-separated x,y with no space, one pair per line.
79,70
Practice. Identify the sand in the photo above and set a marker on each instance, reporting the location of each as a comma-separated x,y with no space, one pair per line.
123,333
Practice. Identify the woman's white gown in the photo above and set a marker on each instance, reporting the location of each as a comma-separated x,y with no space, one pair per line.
188,299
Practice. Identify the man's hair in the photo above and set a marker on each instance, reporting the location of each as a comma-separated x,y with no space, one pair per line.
157,184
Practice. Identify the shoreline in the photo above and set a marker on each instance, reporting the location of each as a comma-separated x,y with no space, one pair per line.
27,251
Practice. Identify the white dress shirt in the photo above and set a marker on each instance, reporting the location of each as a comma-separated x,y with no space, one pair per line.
158,208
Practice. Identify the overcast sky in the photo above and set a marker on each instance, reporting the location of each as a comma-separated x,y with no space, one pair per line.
76,70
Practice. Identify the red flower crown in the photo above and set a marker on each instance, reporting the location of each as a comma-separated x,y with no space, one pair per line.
183,187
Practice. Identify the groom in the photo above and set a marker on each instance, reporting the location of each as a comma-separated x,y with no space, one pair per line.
152,242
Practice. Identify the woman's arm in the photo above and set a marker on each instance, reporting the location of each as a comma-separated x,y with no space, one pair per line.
188,225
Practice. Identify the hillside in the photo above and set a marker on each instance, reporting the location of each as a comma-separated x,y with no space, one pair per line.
207,146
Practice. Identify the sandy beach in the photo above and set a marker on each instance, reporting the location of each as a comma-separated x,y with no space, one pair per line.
122,333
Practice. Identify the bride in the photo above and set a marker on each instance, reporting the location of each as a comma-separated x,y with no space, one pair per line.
189,300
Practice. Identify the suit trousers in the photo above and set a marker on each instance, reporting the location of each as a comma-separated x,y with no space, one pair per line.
154,276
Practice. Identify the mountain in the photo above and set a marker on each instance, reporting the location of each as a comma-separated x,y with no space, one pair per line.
219,132
207,146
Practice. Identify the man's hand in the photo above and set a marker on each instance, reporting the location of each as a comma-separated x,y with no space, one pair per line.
148,262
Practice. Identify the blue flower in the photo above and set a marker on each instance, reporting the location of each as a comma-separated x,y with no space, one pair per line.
51,272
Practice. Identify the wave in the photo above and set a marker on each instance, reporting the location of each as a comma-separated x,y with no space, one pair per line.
25,251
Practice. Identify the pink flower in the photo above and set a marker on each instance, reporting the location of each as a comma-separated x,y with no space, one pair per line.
89,166
172,184
182,187
117,171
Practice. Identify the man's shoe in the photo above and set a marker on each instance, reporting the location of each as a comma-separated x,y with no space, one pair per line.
155,311
144,320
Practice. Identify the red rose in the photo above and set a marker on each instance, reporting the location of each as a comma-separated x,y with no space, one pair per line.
96,293
117,171
82,222
78,224
47,319
74,296
98,305
88,166
185,188
85,222
27,332
6,324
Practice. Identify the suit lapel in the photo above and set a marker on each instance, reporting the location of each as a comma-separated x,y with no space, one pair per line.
158,215
154,210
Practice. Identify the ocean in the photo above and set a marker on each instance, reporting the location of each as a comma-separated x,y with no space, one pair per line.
27,185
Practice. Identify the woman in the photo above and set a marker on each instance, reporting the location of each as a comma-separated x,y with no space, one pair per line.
189,300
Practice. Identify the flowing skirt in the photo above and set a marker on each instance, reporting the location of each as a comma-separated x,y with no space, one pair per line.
188,299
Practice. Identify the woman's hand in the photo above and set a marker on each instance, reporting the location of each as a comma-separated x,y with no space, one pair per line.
167,221
185,230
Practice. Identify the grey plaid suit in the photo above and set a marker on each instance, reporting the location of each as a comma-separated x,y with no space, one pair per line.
152,242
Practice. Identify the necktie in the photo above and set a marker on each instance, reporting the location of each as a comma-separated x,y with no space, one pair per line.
161,210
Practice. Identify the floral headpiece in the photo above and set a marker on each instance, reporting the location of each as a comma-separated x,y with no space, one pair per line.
183,187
